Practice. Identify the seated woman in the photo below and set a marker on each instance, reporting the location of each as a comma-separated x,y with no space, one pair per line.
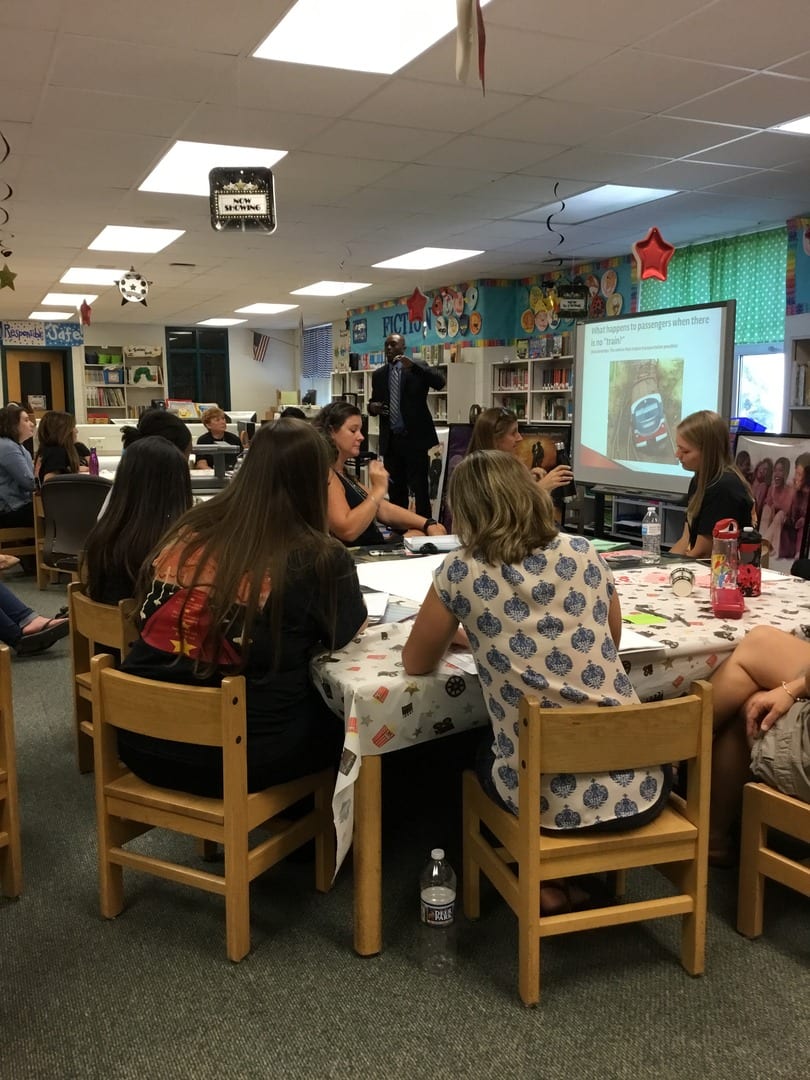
761,725
250,583
497,429
216,421
57,450
353,508
542,616
25,631
152,489
717,490
163,423
17,480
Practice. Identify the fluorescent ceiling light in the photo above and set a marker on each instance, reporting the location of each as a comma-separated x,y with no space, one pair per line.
87,275
133,238
184,168
52,316
427,258
801,126
331,288
265,309
68,299
359,35
599,202
221,322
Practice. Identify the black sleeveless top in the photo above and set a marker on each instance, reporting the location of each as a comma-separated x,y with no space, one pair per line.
355,495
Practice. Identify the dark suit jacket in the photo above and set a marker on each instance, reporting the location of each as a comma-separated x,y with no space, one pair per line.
413,390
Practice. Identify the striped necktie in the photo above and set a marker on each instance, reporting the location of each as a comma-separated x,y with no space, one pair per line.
394,382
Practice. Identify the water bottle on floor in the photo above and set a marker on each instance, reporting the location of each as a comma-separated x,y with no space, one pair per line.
651,537
437,893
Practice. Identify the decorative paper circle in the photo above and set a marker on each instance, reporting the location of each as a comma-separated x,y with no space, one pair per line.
553,320
463,324
541,320
609,282
452,326
597,308
476,322
458,303
537,301
593,283
527,320
133,287
447,306
441,326
806,241
437,305
471,298
614,304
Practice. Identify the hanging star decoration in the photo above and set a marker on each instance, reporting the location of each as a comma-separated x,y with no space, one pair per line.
85,311
7,278
652,255
416,305
134,288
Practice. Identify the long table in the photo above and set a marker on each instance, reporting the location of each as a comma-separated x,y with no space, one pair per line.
385,710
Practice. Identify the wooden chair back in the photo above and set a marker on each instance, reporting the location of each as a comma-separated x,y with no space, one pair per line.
10,850
18,541
765,808
127,806
94,628
583,740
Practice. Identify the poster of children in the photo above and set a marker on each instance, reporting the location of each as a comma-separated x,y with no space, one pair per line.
778,470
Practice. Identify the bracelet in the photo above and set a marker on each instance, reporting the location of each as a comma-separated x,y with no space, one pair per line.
792,695
428,523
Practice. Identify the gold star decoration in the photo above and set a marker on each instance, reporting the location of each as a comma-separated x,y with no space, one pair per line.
7,278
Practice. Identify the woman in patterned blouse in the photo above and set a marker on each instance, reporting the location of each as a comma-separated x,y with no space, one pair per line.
542,616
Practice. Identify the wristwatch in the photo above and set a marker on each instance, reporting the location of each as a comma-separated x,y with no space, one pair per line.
428,523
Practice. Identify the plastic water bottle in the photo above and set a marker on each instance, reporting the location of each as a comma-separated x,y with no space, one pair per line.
749,571
651,537
437,893
92,462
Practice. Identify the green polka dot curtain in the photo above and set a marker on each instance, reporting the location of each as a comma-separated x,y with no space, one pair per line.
749,269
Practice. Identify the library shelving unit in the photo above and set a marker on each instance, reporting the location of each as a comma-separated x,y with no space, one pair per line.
121,381
797,375
538,384
618,516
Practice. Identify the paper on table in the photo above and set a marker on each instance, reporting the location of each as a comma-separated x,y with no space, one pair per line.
409,577
633,642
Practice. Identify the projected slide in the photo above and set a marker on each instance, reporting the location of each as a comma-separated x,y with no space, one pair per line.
636,379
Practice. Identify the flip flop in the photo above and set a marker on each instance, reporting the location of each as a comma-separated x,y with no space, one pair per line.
29,644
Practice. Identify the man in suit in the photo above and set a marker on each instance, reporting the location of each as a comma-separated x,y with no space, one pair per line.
399,390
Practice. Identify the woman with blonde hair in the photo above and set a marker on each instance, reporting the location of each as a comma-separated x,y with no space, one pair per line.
497,429
57,450
542,616
718,489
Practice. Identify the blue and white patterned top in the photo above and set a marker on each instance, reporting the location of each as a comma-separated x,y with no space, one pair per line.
541,627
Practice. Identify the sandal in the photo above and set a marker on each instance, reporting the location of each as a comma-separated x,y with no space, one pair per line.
53,631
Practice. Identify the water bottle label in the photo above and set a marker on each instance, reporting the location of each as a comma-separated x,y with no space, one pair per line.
652,529
438,906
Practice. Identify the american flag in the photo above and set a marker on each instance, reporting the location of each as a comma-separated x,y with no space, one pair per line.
261,343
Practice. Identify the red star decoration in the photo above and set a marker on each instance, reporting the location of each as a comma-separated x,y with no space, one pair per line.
652,255
85,311
416,305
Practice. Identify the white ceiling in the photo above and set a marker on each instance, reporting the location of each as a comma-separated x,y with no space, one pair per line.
642,92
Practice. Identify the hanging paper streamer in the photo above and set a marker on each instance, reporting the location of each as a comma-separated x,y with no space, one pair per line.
652,255
556,232
470,28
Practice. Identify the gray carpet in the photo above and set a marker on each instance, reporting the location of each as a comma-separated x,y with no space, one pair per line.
151,993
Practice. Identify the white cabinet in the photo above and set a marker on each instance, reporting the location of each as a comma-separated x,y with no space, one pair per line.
451,405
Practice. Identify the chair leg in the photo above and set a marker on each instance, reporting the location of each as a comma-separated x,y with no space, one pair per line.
528,961
751,889
208,850
693,926
237,898
84,742
471,872
325,838
10,859
110,876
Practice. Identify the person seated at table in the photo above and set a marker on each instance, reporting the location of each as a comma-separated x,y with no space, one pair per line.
250,583
761,699
790,541
717,490
23,630
58,452
497,429
152,489
163,423
355,509
216,421
542,616
17,481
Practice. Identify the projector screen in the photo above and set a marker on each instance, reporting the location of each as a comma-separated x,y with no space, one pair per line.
635,379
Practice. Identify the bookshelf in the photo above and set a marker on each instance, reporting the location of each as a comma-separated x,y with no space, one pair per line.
120,382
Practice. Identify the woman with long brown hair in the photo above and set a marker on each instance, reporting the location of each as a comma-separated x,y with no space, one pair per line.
57,450
718,489
250,582
497,429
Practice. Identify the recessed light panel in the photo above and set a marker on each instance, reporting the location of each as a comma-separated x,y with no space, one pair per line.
133,238
184,169
800,126
265,309
52,316
426,258
221,322
87,275
599,202
67,299
359,35
331,288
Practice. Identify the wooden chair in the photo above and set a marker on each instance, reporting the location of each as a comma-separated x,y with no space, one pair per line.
19,541
94,628
10,856
766,808
577,740
127,806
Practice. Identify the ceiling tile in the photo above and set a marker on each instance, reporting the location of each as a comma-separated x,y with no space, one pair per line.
378,141
665,136
621,23
543,120
755,101
764,150
445,108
